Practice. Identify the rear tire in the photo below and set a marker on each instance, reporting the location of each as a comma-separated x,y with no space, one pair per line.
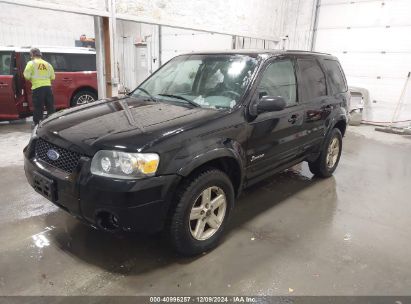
327,162
204,205
83,97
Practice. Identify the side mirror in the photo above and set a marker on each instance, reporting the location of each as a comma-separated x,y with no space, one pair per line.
269,104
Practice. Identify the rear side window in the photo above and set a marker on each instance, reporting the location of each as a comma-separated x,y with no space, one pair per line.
312,79
81,62
335,76
279,80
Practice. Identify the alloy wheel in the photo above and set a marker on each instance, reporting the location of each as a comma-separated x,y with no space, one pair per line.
207,213
85,98
333,152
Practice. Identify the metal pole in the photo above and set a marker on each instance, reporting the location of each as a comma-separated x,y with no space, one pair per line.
160,45
233,43
113,47
107,56
399,103
315,24
101,78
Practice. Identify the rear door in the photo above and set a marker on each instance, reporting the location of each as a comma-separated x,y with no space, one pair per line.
313,94
275,136
8,109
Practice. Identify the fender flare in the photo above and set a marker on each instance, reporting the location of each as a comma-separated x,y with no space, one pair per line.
202,158
335,121
332,126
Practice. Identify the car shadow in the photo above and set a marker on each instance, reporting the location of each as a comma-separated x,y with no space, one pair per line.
131,254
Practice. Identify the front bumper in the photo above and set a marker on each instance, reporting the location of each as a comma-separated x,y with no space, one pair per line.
138,205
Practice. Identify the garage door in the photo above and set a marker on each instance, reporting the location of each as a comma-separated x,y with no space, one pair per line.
372,41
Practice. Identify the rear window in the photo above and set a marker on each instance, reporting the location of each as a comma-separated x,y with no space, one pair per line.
335,76
312,79
62,62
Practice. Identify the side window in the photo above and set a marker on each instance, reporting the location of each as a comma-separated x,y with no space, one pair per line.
335,76
58,61
5,63
81,62
312,79
279,80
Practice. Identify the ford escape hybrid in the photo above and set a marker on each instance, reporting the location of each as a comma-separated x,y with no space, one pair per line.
175,153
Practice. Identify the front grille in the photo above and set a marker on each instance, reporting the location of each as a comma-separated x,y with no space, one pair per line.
67,160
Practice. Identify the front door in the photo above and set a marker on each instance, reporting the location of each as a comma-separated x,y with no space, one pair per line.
275,136
8,109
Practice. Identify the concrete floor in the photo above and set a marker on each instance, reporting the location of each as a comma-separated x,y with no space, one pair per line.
290,235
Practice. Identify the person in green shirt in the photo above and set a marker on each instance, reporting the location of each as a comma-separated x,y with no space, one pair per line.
40,73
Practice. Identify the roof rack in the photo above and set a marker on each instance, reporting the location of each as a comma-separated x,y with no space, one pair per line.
308,52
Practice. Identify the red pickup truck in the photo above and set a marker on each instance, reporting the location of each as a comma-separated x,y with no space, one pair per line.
75,83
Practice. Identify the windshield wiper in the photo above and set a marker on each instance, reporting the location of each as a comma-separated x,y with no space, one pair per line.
145,91
181,98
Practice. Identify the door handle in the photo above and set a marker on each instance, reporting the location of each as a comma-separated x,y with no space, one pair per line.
3,85
293,118
67,79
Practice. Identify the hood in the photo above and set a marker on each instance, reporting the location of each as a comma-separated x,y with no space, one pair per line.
130,124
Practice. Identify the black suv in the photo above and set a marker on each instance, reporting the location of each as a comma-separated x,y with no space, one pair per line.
175,153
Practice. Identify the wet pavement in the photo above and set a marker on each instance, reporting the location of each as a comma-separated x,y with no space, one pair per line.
291,234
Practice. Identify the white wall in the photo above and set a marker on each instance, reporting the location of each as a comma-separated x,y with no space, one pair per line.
177,41
297,23
372,41
263,19
269,19
245,17
22,26
135,62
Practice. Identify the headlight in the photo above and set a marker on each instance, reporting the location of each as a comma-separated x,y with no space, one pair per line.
34,132
124,165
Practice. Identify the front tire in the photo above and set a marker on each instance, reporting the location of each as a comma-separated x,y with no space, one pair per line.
327,162
83,97
204,204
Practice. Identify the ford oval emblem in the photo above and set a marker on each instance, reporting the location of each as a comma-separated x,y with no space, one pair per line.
53,154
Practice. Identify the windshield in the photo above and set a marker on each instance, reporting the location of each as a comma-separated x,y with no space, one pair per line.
208,81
